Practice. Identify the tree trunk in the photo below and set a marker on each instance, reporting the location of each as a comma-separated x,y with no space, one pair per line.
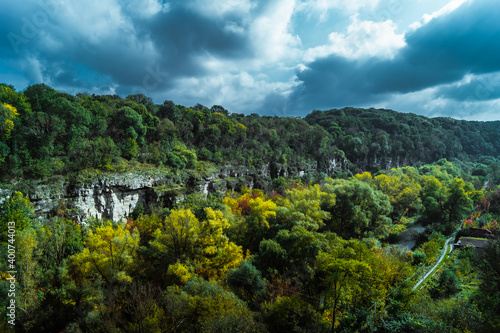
334,315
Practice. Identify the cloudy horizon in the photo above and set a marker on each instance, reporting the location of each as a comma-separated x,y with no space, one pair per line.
279,57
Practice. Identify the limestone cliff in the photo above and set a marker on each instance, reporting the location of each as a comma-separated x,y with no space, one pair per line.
115,195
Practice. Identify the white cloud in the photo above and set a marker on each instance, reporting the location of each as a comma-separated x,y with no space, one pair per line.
430,105
234,28
221,7
266,25
93,21
363,39
472,110
270,32
144,8
448,8
322,7
239,92
488,111
34,69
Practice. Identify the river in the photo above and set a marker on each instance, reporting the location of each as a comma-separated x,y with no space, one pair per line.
408,238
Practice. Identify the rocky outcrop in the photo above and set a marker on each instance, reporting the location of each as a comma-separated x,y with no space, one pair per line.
385,163
114,196
110,200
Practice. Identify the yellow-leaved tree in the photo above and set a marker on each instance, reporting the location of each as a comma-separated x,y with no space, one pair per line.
302,206
199,244
7,115
217,254
176,239
27,276
402,191
252,210
109,255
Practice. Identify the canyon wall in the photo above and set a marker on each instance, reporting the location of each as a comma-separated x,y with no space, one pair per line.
115,195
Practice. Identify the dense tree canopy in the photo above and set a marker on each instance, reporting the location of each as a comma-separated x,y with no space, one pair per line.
311,246
368,136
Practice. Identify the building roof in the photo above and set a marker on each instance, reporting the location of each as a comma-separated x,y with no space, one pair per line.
477,243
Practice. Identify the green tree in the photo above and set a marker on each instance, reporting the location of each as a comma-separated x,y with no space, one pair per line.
448,284
99,153
342,276
58,239
215,310
301,247
446,202
359,210
18,209
125,124
246,281
169,110
40,97
292,314
271,256
490,284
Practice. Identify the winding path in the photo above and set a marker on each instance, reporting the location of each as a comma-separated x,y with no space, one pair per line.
445,252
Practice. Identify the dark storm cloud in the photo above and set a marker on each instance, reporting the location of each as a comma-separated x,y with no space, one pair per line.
36,42
478,88
184,31
181,35
440,52
467,40
241,55
148,52
21,25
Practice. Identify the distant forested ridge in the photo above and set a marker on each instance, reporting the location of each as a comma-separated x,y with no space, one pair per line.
369,135
45,132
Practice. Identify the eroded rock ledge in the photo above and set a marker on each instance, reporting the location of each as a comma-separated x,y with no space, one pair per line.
115,195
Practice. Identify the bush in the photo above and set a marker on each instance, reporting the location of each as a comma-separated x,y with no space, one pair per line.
292,314
247,282
419,257
448,284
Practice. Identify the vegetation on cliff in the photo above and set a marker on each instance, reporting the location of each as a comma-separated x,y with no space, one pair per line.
310,254
47,133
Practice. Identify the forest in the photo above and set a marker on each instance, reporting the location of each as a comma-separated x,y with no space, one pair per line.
310,251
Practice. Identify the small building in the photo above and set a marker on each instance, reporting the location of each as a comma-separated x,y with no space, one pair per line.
479,243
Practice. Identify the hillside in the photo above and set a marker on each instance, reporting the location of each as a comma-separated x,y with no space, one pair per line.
120,215
374,136
47,133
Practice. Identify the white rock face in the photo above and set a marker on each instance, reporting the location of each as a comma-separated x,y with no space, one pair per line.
113,199
4,195
113,203
115,196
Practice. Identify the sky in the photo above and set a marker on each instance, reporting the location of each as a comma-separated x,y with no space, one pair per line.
437,58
